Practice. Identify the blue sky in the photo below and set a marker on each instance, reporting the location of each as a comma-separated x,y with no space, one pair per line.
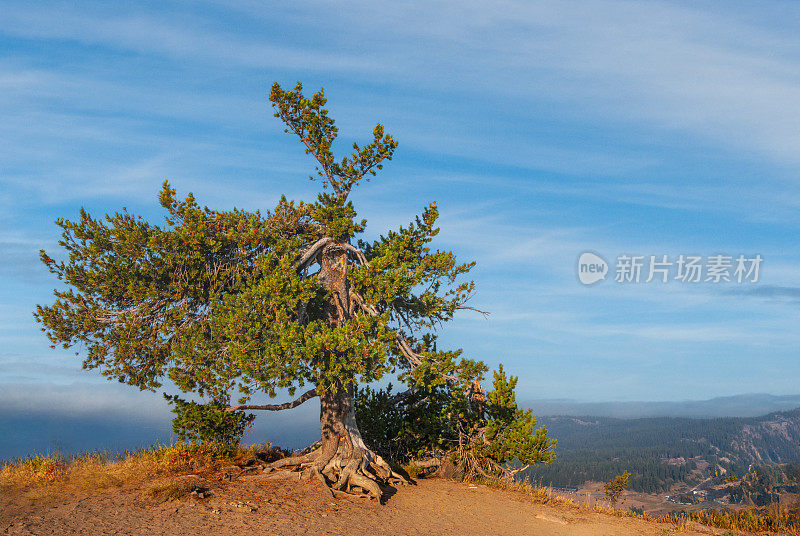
542,130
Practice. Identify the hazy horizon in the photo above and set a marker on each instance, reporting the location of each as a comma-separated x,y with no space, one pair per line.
53,421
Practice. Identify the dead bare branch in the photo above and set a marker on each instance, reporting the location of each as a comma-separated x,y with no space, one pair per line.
484,313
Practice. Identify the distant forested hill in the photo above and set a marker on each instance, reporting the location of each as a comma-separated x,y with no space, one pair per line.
745,405
659,452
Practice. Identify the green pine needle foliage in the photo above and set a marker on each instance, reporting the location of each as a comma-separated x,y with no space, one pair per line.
439,420
208,423
510,431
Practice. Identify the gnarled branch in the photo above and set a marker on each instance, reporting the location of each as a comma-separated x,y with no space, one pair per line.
358,253
279,407
403,345
312,252
405,348
412,357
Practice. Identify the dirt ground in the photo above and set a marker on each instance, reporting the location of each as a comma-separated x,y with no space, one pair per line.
284,507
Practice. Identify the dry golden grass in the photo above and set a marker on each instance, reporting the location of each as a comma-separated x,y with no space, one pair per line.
170,490
537,494
42,478
771,519
413,470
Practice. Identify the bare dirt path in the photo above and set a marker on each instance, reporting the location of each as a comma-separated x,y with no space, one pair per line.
433,507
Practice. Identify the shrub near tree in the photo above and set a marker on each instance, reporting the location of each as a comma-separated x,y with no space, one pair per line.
510,433
231,302
208,423
484,434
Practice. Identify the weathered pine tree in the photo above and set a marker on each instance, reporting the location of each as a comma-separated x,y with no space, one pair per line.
221,302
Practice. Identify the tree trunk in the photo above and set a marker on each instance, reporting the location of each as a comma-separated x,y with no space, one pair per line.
343,462
343,457
333,276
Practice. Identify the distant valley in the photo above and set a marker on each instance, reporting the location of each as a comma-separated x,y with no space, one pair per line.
669,454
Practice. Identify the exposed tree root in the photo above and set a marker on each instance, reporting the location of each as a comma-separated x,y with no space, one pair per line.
350,470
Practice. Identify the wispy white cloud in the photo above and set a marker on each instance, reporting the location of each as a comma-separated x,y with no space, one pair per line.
174,37
678,68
